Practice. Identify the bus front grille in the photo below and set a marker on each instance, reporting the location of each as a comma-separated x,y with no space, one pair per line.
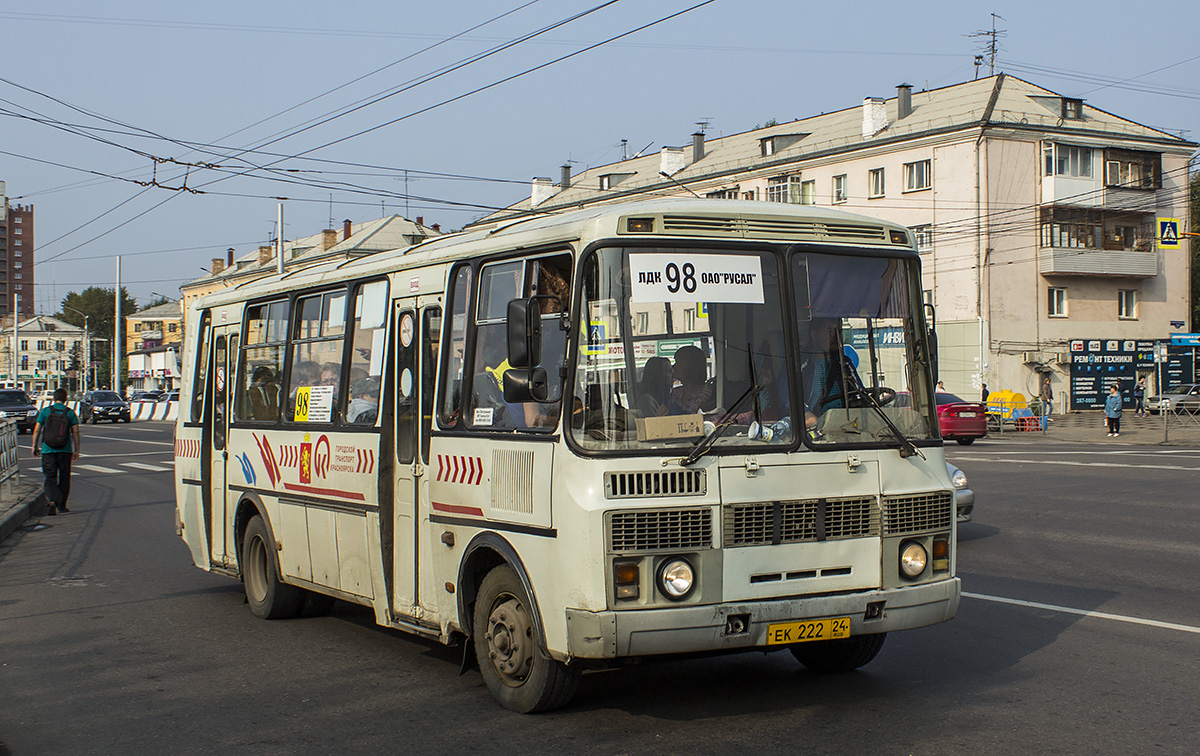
776,522
659,530
917,513
633,485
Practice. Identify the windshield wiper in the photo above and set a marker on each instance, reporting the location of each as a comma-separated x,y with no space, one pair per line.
907,448
706,443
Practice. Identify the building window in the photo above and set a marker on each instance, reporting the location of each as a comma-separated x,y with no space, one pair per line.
1127,304
927,296
1067,160
17,219
643,322
17,243
24,345
876,182
808,192
750,195
777,189
42,364
172,327
1057,303
768,146
839,188
917,176
1072,108
731,193
924,238
41,345
18,230
1132,170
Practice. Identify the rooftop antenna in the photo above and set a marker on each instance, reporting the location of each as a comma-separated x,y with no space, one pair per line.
704,123
991,46
624,149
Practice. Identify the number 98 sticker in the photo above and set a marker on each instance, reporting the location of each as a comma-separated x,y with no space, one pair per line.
696,278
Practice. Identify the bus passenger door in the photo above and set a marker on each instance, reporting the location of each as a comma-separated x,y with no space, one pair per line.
217,420
407,466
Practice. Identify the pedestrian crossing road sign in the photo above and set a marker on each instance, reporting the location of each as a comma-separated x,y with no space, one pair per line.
1168,233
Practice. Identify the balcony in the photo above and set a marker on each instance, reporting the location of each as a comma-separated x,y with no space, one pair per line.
1058,261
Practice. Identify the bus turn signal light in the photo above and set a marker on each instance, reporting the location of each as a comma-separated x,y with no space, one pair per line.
627,580
640,225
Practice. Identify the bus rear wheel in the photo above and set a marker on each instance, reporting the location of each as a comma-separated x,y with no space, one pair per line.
517,673
841,655
269,598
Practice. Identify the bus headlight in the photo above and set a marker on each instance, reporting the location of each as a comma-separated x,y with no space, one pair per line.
676,579
913,559
959,479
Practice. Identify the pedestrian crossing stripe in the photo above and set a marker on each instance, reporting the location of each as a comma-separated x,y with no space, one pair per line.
1168,233
141,466
97,468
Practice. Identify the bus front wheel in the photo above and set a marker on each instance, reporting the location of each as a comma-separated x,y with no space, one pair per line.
517,673
841,655
269,598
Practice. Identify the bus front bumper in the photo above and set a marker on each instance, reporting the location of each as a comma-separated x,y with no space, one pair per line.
693,629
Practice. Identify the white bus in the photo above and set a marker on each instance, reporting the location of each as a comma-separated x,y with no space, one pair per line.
573,440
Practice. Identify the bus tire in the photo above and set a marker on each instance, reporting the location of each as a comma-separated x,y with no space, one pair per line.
269,598
517,673
841,655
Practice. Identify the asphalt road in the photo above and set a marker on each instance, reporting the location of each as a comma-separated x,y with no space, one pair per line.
1080,633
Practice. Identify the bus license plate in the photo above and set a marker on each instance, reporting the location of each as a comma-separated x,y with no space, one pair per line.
808,630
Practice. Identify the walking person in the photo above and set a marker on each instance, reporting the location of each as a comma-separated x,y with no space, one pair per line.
1047,396
56,441
1112,410
1139,396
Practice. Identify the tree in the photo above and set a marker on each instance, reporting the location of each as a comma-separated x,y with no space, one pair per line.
159,300
98,303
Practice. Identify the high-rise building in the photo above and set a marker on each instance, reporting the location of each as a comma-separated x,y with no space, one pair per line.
16,256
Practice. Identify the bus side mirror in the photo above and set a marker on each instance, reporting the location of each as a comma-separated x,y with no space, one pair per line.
526,385
931,320
524,333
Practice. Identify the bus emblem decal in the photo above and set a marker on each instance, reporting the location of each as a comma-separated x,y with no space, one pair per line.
321,457
306,460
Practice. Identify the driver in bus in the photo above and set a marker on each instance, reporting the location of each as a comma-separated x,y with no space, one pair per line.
826,371
694,393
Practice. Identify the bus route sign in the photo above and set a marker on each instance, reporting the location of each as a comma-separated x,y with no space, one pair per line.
696,278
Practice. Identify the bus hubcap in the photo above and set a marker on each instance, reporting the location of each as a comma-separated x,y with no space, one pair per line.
510,638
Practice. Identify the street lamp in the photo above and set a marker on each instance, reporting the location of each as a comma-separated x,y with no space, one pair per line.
87,348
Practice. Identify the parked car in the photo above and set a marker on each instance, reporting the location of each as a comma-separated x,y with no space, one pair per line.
964,498
103,405
16,404
1179,398
170,396
958,419
146,396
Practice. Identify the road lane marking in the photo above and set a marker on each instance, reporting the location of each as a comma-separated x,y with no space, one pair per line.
128,440
1072,464
98,468
1085,612
140,466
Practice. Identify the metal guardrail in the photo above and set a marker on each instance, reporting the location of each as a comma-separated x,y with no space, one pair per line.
1180,417
10,442
1013,416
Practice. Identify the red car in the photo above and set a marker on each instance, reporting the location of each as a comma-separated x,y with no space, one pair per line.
958,420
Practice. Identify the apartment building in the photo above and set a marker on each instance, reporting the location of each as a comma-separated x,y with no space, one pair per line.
1035,214
49,353
16,255
153,345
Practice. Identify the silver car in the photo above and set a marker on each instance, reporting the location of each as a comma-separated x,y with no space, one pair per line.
1178,398
964,498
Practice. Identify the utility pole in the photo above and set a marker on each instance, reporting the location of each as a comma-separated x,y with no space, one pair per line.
116,345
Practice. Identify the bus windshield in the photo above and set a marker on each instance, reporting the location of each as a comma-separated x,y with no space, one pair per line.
681,344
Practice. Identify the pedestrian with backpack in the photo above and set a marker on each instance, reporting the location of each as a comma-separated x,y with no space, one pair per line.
56,440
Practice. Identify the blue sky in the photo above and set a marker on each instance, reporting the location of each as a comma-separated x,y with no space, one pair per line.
211,73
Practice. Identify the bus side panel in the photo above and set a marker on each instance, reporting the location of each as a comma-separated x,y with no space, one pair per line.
189,490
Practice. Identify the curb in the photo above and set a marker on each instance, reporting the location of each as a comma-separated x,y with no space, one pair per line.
16,516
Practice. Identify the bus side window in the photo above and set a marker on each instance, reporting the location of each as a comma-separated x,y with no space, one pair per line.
367,353
450,389
317,342
260,369
200,384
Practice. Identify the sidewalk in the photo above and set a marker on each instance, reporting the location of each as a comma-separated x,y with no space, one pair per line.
1089,427
17,503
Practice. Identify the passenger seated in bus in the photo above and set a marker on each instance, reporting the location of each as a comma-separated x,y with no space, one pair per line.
330,373
264,394
694,393
654,390
364,404
304,373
